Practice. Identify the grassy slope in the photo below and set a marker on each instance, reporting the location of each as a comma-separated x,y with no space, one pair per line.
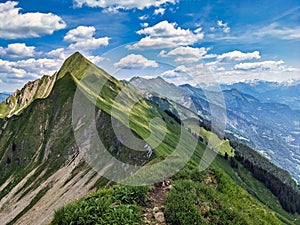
54,126
207,197
141,115
30,139
244,179
212,140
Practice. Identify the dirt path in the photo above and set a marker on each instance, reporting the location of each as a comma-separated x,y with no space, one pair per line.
154,211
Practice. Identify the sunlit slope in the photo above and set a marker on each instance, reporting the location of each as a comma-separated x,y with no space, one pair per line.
17,102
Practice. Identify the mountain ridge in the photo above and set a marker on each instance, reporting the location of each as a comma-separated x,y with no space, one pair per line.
44,169
20,99
243,124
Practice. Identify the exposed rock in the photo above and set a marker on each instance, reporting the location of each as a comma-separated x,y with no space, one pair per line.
160,217
38,89
155,209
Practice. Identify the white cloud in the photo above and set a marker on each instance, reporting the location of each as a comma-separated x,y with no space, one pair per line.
194,74
166,35
171,74
209,73
29,69
238,56
95,59
90,44
14,74
144,17
134,61
254,34
123,4
159,11
59,53
17,50
198,30
185,54
223,26
278,31
14,25
83,39
264,65
144,24
210,56
80,33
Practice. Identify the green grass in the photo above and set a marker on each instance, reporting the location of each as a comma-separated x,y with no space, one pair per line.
117,205
212,140
245,179
194,201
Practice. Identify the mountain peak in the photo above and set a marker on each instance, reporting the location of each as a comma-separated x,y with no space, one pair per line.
74,64
76,56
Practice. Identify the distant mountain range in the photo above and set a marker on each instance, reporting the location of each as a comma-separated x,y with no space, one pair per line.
3,96
268,92
270,127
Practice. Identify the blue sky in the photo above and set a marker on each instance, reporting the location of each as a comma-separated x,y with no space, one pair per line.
184,41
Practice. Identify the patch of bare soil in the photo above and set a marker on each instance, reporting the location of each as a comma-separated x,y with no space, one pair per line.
62,191
211,179
154,211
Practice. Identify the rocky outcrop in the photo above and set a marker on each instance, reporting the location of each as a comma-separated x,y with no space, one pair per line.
20,99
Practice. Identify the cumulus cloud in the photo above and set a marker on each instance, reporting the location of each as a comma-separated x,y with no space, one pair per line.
144,24
17,50
211,73
238,56
194,74
80,33
14,74
179,71
122,4
59,53
82,38
159,11
29,69
134,61
14,25
224,26
185,54
264,65
166,35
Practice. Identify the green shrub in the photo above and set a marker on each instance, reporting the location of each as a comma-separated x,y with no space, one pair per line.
130,194
99,208
180,206
194,202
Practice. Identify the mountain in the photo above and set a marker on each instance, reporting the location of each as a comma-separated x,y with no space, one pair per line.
42,163
268,92
270,128
50,156
19,100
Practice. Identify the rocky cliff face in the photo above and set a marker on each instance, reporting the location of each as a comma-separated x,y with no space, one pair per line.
20,99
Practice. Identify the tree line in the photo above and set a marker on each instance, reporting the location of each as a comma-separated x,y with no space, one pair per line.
277,180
